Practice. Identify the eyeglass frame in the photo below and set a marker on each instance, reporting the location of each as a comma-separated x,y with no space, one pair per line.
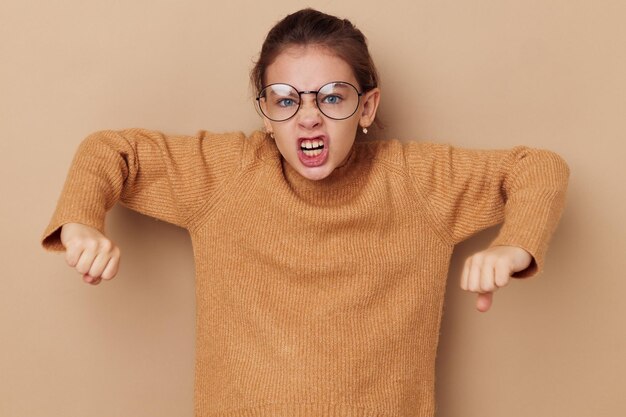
359,94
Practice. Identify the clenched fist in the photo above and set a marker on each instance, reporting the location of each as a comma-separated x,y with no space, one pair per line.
488,270
90,252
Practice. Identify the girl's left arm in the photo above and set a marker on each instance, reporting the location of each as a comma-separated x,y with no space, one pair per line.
466,191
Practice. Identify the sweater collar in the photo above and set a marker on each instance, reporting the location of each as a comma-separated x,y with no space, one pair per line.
343,184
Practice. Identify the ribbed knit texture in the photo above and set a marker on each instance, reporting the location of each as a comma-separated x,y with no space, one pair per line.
316,299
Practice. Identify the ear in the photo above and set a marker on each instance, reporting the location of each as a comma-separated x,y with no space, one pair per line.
370,105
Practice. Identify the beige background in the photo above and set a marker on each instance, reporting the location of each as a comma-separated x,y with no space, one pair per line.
482,73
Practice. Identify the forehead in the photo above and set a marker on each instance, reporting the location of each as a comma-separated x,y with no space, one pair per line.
308,68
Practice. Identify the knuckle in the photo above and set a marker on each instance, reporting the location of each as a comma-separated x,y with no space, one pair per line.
106,245
108,275
476,259
91,244
74,244
503,281
70,259
491,259
502,263
94,272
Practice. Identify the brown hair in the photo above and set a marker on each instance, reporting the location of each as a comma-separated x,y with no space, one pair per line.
311,27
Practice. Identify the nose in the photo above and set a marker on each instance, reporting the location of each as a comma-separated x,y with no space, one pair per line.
309,115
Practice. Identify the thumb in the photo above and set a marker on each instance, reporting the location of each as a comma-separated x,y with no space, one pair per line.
484,301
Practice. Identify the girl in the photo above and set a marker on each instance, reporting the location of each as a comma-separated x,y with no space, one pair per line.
321,263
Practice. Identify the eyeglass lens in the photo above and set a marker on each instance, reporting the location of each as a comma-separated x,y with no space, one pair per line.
335,100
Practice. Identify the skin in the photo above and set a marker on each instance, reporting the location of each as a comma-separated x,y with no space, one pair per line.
92,254
307,68
487,271
97,258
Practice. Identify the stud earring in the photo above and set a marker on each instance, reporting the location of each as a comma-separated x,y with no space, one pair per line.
365,130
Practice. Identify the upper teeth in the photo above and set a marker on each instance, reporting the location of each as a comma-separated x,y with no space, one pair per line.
310,144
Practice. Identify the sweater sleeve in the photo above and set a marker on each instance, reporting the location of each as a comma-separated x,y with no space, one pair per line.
466,191
166,177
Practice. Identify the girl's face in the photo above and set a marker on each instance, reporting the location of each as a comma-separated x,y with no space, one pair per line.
307,68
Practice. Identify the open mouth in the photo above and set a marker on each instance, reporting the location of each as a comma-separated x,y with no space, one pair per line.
313,151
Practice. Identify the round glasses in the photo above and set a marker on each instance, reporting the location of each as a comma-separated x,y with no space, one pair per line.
337,100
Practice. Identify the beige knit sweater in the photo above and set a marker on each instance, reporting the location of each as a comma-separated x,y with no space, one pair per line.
316,299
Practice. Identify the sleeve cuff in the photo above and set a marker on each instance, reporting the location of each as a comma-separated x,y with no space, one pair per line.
530,226
51,238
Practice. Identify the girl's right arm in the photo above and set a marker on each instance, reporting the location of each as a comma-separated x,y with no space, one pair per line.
170,178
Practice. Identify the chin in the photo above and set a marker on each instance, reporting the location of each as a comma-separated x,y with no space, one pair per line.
316,174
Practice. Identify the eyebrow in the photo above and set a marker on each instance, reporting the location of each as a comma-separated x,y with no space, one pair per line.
279,93
341,85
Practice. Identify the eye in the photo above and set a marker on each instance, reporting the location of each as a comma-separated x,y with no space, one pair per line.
332,99
286,102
